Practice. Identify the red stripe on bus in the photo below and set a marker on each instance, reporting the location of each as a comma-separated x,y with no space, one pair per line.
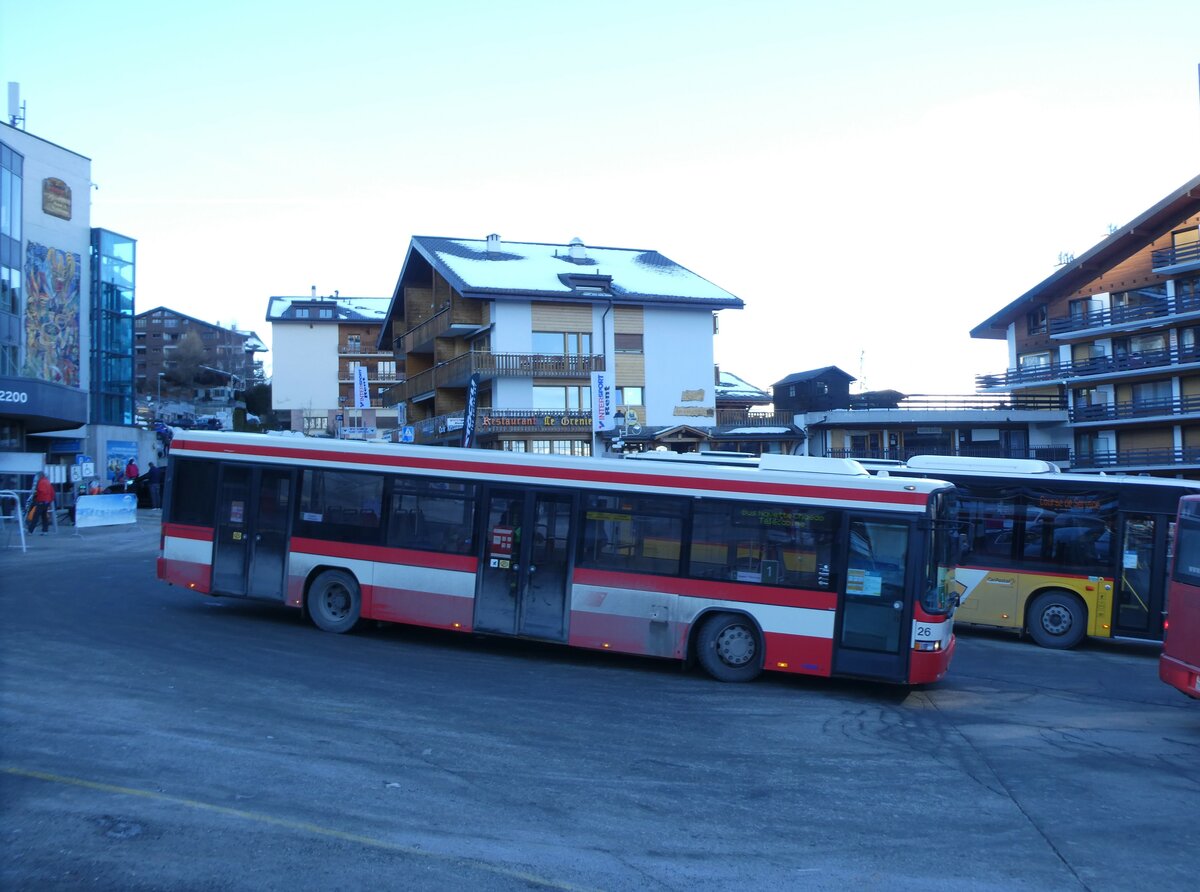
567,475
385,555
431,609
188,574
185,531
750,593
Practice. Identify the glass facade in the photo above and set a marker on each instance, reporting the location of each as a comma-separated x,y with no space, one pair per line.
113,268
11,300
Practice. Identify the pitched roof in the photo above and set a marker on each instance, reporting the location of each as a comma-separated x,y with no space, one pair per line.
545,270
345,309
732,387
797,377
254,343
1120,245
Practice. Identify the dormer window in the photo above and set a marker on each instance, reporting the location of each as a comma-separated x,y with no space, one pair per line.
594,284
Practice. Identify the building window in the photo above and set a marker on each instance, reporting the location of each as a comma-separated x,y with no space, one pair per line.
562,398
512,445
540,447
562,343
301,312
630,396
1036,321
1034,360
326,313
627,343
387,370
353,343
171,322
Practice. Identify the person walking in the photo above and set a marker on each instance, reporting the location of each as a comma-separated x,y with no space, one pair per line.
131,474
156,484
43,502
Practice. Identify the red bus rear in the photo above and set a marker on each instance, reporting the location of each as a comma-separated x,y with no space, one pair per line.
1179,665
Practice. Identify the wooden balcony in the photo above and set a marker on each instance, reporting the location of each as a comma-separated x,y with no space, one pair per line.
458,371
444,323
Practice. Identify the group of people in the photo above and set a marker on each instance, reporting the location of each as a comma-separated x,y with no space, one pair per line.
41,501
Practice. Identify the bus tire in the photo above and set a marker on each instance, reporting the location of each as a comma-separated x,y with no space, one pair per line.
334,601
1057,619
730,648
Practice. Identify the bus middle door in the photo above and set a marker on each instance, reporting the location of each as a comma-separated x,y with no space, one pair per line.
872,632
524,578
251,541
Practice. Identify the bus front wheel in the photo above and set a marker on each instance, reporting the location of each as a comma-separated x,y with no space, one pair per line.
334,601
729,648
1057,619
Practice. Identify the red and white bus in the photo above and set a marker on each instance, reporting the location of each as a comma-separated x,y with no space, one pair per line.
799,565
1179,664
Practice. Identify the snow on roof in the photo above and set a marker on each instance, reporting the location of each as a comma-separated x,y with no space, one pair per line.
731,386
526,267
365,309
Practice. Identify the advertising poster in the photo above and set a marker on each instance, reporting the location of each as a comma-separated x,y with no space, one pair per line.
602,402
117,455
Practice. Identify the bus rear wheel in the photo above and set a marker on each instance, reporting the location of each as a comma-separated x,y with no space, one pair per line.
1057,619
729,648
334,601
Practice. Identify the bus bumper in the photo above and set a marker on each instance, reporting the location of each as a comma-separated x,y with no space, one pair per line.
1180,675
926,667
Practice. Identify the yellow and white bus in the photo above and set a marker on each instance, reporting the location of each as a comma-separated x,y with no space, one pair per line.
1059,556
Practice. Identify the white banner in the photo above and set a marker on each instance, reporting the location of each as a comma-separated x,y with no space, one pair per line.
362,390
105,511
602,402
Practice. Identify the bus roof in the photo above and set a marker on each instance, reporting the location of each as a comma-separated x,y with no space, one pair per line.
839,483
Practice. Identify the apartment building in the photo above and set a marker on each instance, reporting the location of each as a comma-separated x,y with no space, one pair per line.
227,358
1114,334
319,344
526,325
66,320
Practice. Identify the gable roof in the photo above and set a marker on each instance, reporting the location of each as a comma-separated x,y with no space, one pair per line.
797,377
1120,245
345,309
731,387
253,342
542,270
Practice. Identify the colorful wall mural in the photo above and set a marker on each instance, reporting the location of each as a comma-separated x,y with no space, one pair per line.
52,314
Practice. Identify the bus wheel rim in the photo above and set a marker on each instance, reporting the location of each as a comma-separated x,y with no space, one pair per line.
1056,619
337,602
735,646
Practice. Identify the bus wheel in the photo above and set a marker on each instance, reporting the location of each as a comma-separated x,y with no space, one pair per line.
1057,619
334,601
729,648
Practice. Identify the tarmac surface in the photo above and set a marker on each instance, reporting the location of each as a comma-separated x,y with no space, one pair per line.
152,738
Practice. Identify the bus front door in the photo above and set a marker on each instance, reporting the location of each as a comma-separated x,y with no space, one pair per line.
251,541
1143,568
524,580
871,637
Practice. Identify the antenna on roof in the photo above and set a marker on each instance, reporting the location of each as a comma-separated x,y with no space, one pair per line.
16,108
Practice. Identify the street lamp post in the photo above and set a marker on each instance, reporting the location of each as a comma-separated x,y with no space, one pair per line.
158,398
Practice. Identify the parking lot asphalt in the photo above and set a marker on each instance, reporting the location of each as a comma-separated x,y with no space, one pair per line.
152,738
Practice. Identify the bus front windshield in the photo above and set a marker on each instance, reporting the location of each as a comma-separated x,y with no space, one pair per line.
946,544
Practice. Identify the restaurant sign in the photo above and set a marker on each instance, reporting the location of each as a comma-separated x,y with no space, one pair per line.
56,198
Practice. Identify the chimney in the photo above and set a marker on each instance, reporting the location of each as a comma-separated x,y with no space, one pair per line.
314,292
576,251
493,244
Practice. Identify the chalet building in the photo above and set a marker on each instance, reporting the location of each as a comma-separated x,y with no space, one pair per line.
746,422
886,424
319,345
530,324
1113,334
228,359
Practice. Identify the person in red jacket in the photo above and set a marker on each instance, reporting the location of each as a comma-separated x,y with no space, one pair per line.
43,501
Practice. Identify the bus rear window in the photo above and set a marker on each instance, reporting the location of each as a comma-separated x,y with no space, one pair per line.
193,491
1187,550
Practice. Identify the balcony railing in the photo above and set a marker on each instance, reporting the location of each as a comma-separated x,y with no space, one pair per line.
1175,256
1136,409
1113,316
1060,455
742,418
443,322
1096,366
1138,458
352,349
458,371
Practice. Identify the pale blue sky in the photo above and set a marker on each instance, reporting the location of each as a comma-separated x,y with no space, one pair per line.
874,179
